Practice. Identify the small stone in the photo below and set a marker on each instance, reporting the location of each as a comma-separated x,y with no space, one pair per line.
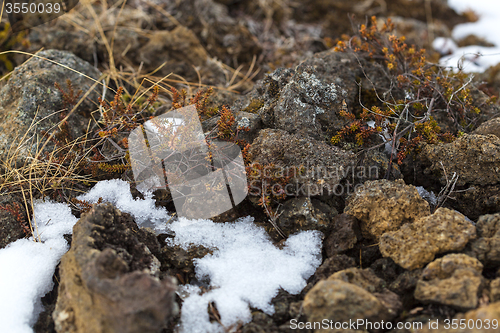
486,247
344,235
366,279
453,280
332,265
314,167
495,290
382,206
305,214
416,244
340,301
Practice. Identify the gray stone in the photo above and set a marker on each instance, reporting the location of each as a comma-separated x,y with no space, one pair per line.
30,97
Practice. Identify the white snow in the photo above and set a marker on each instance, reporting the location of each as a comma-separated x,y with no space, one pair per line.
117,192
27,267
245,269
444,45
475,58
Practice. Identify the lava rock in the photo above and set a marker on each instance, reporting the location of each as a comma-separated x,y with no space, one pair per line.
475,158
332,265
305,214
340,301
386,269
495,290
108,279
344,235
491,126
30,97
323,165
490,312
250,121
366,279
453,280
416,244
382,206
307,99
486,247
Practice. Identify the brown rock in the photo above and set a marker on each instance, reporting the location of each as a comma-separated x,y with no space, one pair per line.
386,269
495,290
453,280
475,158
476,200
332,265
382,206
406,282
305,214
416,244
344,235
486,247
107,279
324,165
486,314
340,301
366,279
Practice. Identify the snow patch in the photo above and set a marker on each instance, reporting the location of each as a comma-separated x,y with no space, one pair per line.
117,192
475,58
27,267
244,270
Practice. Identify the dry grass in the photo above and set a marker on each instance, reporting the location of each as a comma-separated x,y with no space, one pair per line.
43,171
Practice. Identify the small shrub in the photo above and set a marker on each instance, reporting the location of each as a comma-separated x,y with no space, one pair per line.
419,91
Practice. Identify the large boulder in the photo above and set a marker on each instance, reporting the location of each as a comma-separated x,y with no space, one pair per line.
31,104
307,99
416,244
108,279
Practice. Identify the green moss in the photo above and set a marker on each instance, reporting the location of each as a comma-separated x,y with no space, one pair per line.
254,106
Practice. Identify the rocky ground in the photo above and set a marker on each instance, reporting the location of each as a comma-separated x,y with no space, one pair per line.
410,242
